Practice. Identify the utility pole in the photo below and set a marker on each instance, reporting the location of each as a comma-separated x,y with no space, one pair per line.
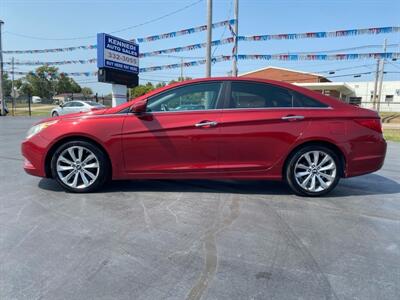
381,76
12,86
376,84
209,38
3,102
235,46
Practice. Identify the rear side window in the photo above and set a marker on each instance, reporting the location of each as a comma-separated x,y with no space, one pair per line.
259,95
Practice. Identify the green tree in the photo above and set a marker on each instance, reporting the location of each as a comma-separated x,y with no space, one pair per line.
67,84
87,92
43,81
141,90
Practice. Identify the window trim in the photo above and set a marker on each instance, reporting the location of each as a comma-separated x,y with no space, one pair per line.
228,95
218,102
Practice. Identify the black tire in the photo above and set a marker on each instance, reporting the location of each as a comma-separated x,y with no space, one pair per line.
55,114
102,172
290,175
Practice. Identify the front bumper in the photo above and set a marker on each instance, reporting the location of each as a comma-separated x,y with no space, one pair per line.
34,151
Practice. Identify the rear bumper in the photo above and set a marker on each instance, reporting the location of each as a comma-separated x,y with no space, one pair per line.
369,158
34,151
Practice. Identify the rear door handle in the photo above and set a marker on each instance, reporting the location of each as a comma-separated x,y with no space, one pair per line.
292,118
206,124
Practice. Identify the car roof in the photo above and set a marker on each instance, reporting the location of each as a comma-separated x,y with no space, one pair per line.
318,96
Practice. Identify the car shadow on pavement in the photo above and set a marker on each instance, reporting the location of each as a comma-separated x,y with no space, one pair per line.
371,184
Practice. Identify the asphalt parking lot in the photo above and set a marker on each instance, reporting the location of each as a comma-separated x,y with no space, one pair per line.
196,239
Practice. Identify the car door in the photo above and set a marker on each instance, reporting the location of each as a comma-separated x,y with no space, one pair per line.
258,125
66,108
177,134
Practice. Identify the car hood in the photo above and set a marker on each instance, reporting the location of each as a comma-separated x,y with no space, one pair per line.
76,115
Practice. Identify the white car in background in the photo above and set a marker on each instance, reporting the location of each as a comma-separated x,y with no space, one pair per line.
36,99
75,106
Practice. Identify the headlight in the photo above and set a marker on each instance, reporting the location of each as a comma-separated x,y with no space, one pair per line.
39,127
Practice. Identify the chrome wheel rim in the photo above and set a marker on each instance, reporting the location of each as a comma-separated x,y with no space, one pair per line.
78,167
315,171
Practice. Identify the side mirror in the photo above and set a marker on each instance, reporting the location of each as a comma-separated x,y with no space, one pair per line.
61,105
139,107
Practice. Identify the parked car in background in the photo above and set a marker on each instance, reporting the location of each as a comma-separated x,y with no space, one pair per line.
75,106
214,128
36,99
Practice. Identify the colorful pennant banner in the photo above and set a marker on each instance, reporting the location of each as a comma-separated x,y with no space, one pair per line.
52,63
294,57
184,32
285,36
282,57
67,49
187,48
321,34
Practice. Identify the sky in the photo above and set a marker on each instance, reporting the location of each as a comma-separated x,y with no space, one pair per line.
39,24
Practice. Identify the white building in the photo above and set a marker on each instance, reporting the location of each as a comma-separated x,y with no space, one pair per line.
358,93
361,93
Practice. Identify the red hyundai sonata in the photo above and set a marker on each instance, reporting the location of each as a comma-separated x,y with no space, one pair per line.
216,128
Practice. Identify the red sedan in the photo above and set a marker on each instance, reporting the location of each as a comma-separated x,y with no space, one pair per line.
217,128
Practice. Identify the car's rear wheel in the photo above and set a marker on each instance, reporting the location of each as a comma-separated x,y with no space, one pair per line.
79,166
54,114
313,171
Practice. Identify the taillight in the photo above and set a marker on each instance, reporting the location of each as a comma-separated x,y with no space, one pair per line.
374,124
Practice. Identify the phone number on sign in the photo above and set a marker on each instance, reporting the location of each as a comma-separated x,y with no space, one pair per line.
115,56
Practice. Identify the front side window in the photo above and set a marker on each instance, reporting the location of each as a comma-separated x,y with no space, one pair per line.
259,95
201,96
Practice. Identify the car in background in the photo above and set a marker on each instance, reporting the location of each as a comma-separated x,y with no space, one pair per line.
36,99
75,106
212,128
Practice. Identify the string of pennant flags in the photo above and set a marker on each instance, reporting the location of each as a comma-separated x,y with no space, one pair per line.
139,40
265,37
184,31
282,57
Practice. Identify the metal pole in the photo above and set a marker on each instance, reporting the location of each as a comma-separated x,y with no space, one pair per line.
12,86
209,38
381,77
3,102
181,69
375,84
29,104
235,49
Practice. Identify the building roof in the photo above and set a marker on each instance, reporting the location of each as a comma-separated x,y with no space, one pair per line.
283,69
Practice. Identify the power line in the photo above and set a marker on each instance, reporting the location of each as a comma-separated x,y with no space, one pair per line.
115,31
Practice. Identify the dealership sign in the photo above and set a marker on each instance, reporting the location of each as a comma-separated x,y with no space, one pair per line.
117,54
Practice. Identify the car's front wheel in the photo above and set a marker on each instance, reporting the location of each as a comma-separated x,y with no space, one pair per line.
313,171
79,166
54,114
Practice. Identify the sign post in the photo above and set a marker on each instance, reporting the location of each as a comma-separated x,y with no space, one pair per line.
118,63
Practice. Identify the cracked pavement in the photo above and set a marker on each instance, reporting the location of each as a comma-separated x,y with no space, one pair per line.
196,239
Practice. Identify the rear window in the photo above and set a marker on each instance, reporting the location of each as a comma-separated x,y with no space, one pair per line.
260,95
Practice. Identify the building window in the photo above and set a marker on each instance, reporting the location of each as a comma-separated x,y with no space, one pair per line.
389,98
355,100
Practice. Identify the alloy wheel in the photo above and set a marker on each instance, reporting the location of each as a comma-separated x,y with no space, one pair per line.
78,167
315,171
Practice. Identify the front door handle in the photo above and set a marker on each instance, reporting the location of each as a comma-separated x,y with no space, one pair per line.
292,118
206,124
